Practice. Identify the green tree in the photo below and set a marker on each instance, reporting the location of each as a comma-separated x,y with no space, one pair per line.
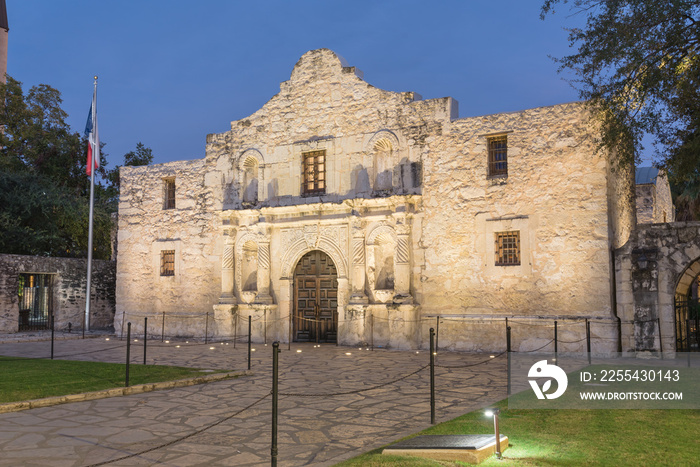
44,191
638,62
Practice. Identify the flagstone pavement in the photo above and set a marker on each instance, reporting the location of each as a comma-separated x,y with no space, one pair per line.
206,424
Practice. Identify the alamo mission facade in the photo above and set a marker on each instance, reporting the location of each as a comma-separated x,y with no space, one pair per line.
339,209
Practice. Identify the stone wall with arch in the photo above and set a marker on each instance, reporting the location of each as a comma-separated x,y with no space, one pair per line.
657,266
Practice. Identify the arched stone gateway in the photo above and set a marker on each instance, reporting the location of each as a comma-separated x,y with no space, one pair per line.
315,315
656,276
687,309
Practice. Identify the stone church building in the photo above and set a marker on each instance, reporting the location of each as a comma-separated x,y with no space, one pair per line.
340,212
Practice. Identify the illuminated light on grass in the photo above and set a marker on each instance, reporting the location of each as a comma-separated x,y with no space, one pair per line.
298,350
177,346
212,348
348,353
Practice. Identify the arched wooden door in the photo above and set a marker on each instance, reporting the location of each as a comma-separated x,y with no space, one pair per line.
315,299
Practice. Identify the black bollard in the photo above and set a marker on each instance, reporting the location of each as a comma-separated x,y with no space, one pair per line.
145,337
128,352
588,340
162,329
437,332
432,376
556,342
275,382
206,329
52,334
508,354
250,327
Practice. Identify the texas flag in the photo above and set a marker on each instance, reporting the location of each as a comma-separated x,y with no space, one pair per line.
93,153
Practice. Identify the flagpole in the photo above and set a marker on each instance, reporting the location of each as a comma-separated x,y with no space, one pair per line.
95,154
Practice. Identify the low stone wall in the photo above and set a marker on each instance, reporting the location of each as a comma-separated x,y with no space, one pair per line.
68,290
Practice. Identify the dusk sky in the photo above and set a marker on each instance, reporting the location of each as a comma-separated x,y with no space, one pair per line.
172,71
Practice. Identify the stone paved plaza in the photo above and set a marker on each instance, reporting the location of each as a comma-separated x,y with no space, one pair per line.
314,430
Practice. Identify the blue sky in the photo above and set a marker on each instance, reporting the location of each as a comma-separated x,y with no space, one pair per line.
172,71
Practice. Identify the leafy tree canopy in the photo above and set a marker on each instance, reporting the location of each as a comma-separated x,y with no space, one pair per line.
639,62
44,190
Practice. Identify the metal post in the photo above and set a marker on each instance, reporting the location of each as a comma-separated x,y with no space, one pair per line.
289,344
432,376
498,434
145,337
206,328
437,332
250,326
52,334
661,345
508,354
275,382
371,330
265,326
235,329
556,341
588,340
128,352
69,327
687,335
162,329
121,333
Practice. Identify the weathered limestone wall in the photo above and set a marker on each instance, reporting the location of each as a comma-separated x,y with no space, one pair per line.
645,294
646,199
407,191
69,283
555,194
327,106
146,229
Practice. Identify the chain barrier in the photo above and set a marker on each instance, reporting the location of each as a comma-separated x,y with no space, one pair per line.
472,364
535,350
182,438
356,391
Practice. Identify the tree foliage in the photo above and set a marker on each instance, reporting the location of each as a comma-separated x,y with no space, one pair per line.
44,191
638,62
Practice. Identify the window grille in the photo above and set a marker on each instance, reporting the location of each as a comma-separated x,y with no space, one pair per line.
314,179
167,263
498,155
508,248
169,193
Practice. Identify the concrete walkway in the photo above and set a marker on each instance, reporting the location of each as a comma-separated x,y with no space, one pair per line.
206,424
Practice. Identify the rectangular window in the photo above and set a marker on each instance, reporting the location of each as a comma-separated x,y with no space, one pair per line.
498,155
314,178
169,193
167,262
507,248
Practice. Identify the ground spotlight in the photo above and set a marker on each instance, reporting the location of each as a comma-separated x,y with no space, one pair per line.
494,413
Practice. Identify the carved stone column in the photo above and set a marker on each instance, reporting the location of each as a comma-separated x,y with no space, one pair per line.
227,281
263,296
402,273
358,296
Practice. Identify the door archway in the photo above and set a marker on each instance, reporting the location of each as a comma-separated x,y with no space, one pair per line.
687,309
315,316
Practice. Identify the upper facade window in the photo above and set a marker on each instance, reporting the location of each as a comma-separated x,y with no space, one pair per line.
498,155
169,193
507,248
314,172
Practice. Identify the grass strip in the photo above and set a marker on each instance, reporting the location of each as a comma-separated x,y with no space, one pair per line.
26,379
570,437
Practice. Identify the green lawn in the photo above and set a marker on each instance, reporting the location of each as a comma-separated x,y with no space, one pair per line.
573,437
25,379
